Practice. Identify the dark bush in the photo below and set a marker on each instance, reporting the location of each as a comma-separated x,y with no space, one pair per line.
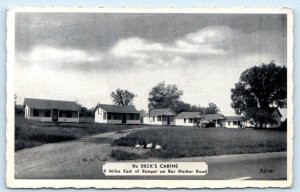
283,125
210,124
123,155
129,141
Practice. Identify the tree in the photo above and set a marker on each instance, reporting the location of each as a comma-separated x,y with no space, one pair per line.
16,98
84,111
212,109
181,106
260,88
19,109
123,97
164,96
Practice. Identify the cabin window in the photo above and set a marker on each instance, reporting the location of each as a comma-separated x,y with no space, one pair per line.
136,116
184,120
116,116
235,123
104,115
68,114
131,116
190,120
48,113
158,118
153,118
36,112
229,122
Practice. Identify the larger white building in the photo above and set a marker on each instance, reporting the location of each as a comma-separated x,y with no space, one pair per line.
51,110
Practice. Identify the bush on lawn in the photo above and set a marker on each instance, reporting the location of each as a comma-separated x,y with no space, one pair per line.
123,155
129,141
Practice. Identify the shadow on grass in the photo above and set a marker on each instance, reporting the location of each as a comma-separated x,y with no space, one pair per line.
99,140
124,155
39,139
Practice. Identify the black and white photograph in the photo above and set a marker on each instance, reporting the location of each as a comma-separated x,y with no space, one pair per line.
123,98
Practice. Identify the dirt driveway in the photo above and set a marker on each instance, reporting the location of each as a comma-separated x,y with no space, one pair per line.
81,158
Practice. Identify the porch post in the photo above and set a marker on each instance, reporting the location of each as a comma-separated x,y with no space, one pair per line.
78,116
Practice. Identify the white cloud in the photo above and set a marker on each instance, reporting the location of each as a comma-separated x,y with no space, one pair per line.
47,56
208,42
135,47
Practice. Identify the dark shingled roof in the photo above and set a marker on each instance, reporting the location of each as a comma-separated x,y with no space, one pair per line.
117,108
273,109
234,118
210,117
160,112
51,104
185,115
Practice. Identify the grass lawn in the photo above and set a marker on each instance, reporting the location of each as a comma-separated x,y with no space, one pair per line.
189,142
30,133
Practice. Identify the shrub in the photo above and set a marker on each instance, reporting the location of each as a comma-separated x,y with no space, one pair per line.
123,155
129,141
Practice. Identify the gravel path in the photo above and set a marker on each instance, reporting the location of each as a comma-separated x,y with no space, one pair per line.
81,158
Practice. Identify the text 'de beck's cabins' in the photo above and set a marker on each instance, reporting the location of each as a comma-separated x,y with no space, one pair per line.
155,169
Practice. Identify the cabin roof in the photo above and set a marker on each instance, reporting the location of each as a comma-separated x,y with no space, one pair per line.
184,115
273,109
160,112
51,104
210,117
117,108
234,118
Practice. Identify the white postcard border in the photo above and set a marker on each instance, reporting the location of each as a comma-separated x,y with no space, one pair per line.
106,183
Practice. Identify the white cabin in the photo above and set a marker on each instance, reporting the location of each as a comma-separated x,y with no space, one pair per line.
115,114
189,119
216,119
233,122
51,110
160,117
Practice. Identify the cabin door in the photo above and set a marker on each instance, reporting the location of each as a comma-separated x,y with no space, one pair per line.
124,118
168,120
55,115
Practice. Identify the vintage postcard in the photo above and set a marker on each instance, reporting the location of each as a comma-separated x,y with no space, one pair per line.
149,98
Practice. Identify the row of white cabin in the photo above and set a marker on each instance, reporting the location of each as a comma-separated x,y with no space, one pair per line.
68,111
169,117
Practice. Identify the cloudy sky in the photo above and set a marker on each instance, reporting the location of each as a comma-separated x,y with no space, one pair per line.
85,56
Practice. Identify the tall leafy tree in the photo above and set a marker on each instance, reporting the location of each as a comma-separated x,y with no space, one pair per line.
164,96
260,88
212,109
123,97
